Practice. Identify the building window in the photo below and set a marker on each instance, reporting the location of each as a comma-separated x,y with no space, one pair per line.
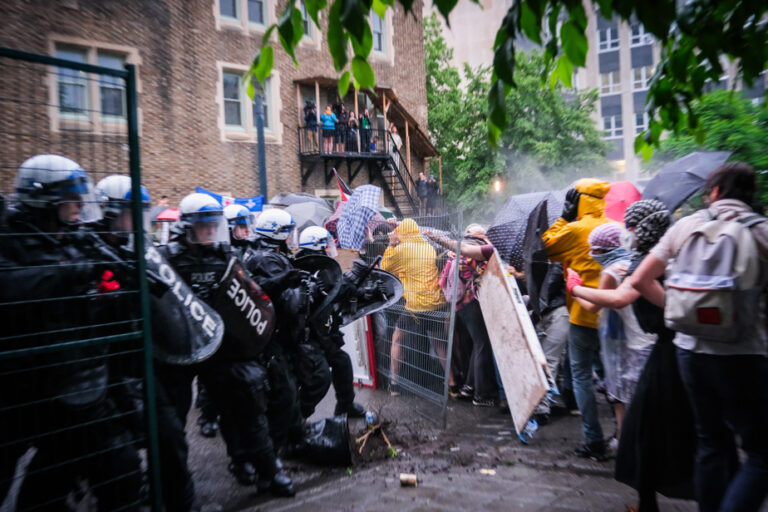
233,101
230,9
307,20
256,12
377,27
608,39
84,97
266,103
236,101
641,122
610,83
612,127
72,85
641,77
638,35
111,89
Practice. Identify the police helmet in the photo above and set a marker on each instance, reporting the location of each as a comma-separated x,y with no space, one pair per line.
316,238
202,218
51,181
275,224
240,220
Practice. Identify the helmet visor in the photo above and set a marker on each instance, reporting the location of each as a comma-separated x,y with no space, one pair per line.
330,247
243,227
206,228
75,200
292,241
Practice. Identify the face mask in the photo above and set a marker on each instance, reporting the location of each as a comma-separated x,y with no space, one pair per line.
628,240
602,258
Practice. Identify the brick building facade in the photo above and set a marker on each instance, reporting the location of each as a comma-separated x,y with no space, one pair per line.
196,125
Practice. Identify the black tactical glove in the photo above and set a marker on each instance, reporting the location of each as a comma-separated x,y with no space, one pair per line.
571,206
81,275
294,277
383,290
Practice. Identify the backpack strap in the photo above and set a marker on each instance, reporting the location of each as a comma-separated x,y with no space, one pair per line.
751,220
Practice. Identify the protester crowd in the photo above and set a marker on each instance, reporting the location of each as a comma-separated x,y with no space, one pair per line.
667,318
683,366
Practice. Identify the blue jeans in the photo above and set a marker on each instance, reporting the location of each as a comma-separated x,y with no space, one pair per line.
729,397
583,345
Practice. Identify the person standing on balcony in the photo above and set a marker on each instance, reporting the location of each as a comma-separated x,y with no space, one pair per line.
342,121
395,143
365,131
433,192
352,141
422,192
329,128
310,123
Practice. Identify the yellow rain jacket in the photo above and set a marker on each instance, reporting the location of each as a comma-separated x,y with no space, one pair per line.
566,242
413,262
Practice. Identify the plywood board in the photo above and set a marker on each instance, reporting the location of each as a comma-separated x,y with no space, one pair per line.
356,345
346,258
519,356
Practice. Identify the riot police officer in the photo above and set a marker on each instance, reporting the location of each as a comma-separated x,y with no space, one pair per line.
114,193
236,383
61,402
316,240
267,261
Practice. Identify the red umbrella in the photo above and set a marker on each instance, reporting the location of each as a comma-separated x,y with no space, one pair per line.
619,197
168,214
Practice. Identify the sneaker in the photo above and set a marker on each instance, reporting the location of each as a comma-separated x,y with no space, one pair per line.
612,446
352,409
466,392
594,451
542,418
484,402
394,389
453,391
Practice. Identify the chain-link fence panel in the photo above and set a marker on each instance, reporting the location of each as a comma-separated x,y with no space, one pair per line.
414,338
77,427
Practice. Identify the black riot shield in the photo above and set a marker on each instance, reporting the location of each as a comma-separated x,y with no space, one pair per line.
246,310
185,330
379,290
536,261
327,275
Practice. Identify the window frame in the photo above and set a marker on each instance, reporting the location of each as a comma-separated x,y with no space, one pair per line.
264,8
243,125
247,132
646,73
383,33
614,132
611,44
267,104
309,29
613,87
640,128
81,81
643,38
109,118
237,19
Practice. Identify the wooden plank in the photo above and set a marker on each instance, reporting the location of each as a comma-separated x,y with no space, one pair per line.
521,361
440,169
317,107
346,258
408,151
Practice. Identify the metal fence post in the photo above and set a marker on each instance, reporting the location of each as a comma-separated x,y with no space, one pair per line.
138,226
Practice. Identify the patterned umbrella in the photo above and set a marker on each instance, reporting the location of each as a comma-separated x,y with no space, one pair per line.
507,231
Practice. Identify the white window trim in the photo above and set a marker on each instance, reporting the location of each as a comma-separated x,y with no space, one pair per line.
643,84
612,133
242,22
315,36
612,41
242,100
388,55
642,39
383,50
231,133
93,122
638,128
613,87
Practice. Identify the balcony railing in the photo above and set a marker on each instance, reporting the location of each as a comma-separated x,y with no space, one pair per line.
341,141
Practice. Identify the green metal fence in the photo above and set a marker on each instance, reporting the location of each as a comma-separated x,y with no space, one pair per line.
77,413
414,338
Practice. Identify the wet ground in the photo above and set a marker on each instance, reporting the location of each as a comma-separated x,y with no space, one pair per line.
477,463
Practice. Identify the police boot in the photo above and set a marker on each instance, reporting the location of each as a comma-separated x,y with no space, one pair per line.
244,472
352,409
276,481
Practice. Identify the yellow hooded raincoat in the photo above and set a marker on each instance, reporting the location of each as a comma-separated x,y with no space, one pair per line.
566,242
413,262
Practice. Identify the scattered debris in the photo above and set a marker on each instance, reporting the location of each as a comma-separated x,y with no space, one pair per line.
408,480
489,472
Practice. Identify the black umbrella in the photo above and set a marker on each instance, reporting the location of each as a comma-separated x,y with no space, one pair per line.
536,261
508,228
679,180
296,197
